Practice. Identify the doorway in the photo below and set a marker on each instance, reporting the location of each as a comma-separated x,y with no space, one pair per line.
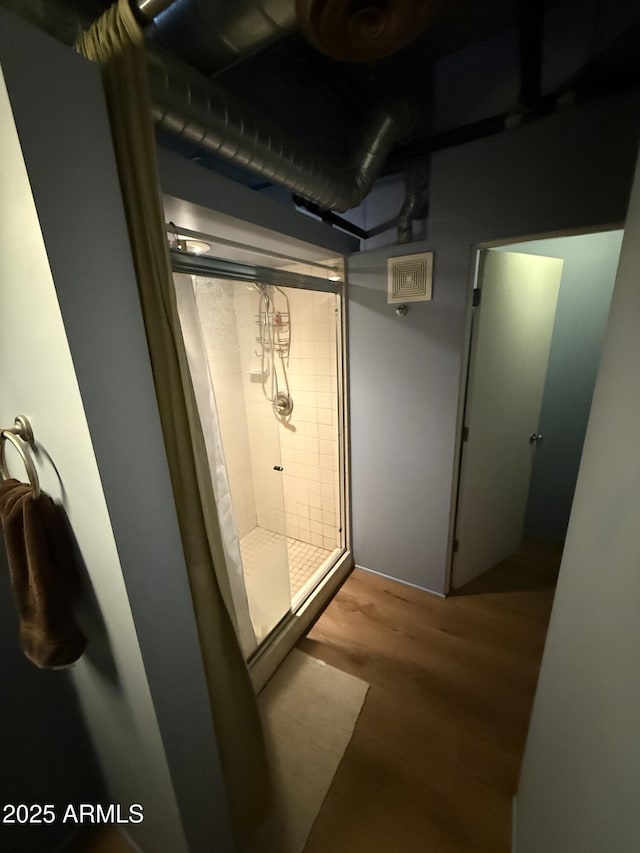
532,368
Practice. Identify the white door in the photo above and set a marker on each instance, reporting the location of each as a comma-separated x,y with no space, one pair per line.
512,331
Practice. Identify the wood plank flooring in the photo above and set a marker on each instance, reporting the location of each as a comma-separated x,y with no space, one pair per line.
435,756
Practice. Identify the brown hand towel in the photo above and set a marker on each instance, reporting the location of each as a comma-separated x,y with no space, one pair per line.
44,575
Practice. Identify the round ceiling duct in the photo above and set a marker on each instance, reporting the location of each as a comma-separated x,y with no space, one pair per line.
362,30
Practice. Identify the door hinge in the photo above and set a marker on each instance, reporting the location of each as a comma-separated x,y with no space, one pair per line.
465,433
477,296
456,546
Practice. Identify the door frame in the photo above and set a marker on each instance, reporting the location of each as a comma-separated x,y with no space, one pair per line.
475,250
270,654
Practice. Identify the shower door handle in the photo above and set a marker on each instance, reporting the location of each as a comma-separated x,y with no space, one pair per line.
278,468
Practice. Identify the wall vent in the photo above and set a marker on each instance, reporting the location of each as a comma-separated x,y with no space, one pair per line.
410,278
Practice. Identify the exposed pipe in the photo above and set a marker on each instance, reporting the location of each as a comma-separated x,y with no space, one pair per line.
200,112
331,218
197,110
363,30
148,9
211,34
416,178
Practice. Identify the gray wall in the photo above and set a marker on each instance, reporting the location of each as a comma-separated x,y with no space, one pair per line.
45,749
568,171
581,772
588,276
73,357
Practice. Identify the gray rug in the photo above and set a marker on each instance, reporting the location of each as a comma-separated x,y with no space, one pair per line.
310,710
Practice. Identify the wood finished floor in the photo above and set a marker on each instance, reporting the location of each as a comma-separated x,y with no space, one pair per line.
434,760
435,756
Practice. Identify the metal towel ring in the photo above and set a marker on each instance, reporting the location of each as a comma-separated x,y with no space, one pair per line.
21,437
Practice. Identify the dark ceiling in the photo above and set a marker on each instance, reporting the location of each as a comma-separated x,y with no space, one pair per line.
551,52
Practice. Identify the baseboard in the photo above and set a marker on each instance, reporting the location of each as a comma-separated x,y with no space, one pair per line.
514,807
399,580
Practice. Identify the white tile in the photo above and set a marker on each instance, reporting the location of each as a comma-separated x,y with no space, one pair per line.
286,439
325,400
296,382
314,488
323,383
321,348
328,504
320,331
307,414
287,454
304,349
327,447
310,379
326,463
315,501
309,472
326,431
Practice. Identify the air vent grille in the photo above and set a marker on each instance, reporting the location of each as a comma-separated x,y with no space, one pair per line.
410,278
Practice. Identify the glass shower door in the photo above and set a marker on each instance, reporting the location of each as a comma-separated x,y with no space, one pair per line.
229,316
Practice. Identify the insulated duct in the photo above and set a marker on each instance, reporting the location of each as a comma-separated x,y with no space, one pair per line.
211,34
199,111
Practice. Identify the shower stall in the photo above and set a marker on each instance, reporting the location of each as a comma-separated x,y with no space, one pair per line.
265,352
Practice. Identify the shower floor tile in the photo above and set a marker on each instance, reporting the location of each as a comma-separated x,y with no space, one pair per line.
261,546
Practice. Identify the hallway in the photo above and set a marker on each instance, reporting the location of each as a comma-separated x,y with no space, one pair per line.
435,756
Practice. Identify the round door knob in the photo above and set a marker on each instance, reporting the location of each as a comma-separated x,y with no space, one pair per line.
534,438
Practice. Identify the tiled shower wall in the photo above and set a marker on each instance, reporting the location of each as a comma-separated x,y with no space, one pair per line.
309,439
264,439
303,499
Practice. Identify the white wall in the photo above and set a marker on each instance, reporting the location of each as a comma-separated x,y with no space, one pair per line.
570,170
38,378
588,276
73,357
581,773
